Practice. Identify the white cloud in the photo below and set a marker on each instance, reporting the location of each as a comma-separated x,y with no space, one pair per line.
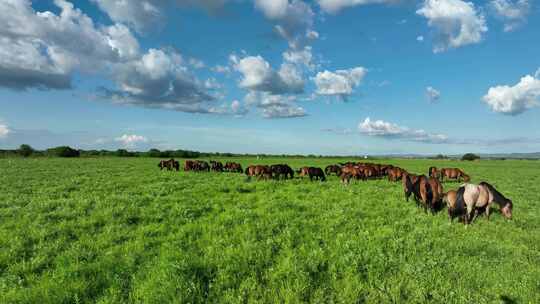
512,12
432,95
273,9
4,130
275,106
380,128
42,49
514,100
236,108
159,79
300,57
131,140
340,83
258,75
334,6
294,20
420,38
456,23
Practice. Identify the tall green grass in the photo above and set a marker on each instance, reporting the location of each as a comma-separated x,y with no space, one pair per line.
121,231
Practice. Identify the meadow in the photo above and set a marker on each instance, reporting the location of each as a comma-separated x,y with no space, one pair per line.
119,230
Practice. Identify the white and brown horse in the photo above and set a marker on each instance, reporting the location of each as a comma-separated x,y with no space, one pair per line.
470,198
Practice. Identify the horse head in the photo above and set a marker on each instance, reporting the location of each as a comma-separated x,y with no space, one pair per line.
507,210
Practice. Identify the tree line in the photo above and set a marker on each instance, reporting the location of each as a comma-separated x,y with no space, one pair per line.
66,151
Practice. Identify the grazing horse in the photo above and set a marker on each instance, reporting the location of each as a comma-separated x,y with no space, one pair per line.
216,166
169,164
454,174
332,169
395,174
282,171
483,195
259,171
434,172
454,210
408,181
437,193
313,173
349,172
233,167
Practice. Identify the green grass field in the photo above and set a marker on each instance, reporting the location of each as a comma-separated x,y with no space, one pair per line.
111,230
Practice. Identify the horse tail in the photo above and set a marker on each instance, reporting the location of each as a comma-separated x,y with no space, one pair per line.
459,207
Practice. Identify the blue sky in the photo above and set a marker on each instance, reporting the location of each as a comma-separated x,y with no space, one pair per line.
335,77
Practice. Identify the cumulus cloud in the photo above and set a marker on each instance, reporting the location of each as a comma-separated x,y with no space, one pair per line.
258,75
275,106
456,23
4,130
380,128
514,100
432,95
144,15
294,20
131,140
159,79
334,6
340,83
512,13
42,49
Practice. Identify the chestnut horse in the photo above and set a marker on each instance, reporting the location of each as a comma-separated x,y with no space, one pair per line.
454,174
434,172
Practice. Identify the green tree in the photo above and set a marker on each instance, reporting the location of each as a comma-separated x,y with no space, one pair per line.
25,150
470,157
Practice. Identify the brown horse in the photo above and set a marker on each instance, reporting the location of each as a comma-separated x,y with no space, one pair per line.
259,171
434,172
454,174
313,173
408,181
332,169
233,167
282,171
216,166
169,165
450,199
395,174
436,193
348,172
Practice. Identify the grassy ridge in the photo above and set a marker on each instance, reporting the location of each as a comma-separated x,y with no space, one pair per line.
119,230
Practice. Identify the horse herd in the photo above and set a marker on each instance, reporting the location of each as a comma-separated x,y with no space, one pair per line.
465,203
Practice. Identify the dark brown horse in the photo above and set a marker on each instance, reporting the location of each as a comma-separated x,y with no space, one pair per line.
313,173
282,171
408,181
169,165
335,169
454,174
216,166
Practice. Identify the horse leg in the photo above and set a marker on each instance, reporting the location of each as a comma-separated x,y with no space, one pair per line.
487,211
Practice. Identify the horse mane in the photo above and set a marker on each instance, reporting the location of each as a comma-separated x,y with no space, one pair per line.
499,198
